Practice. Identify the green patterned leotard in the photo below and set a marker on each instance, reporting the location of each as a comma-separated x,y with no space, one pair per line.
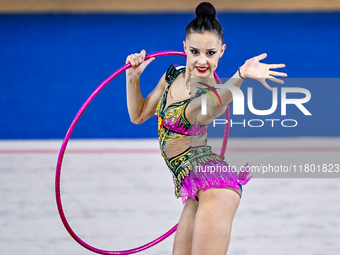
176,135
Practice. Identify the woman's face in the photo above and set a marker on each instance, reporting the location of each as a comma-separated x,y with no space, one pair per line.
203,52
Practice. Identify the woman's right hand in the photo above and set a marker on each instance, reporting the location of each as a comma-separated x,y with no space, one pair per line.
137,63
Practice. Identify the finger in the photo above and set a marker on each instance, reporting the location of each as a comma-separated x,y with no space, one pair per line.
262,56
141,56
277,73
147,62
143,53
140,59
275,79
266,85
276,66
132,62
130,59
136,58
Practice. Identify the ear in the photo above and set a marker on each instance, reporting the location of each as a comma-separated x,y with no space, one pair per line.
184,46
222,50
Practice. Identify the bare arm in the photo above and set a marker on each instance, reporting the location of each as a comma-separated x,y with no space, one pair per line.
252,68
226,96
141,109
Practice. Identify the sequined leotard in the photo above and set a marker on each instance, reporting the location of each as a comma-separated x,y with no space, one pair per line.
177,136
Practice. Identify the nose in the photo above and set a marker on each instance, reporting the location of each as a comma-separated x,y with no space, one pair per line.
202,60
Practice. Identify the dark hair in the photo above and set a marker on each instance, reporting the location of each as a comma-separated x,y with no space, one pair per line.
205,21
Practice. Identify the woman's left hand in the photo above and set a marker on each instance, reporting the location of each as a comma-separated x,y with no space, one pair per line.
253,69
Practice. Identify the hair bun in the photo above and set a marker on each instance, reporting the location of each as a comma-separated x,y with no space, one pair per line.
205,9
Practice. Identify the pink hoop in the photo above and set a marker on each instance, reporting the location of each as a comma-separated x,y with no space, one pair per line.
68,135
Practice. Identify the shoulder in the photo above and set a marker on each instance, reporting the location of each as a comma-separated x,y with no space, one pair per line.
172,72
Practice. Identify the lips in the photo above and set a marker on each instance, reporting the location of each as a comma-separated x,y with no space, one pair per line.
202,69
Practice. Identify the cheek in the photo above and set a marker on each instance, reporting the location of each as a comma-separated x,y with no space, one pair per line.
192,62
213,63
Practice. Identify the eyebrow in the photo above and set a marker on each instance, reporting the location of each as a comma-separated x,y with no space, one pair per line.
198,50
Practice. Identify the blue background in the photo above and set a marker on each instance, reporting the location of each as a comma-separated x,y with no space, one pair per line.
51,63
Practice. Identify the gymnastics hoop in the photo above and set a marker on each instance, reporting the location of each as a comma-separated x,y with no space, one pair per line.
68,135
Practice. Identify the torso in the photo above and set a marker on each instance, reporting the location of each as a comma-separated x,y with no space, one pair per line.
182,144
176,133
175,95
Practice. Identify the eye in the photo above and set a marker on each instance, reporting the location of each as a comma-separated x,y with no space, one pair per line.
210,53
195,52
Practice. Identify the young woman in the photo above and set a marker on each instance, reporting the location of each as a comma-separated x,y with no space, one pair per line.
210,199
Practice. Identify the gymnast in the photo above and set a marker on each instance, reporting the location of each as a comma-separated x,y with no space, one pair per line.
210,198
